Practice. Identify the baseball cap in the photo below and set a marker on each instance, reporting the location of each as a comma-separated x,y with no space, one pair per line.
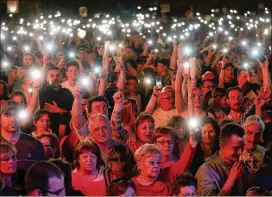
7,105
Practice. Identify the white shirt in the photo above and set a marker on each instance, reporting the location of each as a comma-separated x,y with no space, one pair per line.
66,85
161,117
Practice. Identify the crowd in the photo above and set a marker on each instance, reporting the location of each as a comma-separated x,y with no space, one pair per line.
155,107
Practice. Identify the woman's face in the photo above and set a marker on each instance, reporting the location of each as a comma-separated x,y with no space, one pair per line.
165,144
223,102
8,163
87,161
228,72
145,131
208,134
197,97
180,131
43,124
150,167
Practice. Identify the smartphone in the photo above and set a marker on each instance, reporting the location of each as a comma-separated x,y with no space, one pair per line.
159,82
196,133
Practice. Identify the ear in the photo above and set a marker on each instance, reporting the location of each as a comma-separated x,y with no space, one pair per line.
227,101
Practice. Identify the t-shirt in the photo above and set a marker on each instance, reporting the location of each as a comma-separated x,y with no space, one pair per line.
96,187
158,188
64,99
29,150
161,117
66,85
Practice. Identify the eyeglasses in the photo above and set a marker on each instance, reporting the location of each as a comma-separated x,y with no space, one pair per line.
153,162
195,95
257,190
119,159
170,142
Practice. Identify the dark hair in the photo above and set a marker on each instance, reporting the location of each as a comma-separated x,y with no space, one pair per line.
71,63
132,78
96,99
142,117
87,145
233,88
162,131
215,125
38,175
6,147
240,70
6,90
18,93
178,121
38,115
218,92
119,187
52,67
229,130
183,180
165,62
54,141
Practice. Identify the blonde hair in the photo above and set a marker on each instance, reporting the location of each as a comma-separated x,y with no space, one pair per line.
146,151
254,119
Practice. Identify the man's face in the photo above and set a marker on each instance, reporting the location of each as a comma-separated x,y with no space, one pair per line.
56,186
72,73
165,101
228,72
252,135
161,68
223,102
9,121
100,130
84,105
131,86
187,191
232,148
2,89
53,77
207,86
81,54
242,78
197,97
43,123
235,100
27,60
99,107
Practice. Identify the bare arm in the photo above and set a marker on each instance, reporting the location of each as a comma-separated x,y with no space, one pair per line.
178,90
221,83
266,75
174,56
153,100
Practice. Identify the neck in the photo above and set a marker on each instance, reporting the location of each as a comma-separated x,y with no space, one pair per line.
11,137
6,180
146,180
106,146
71,82
164,108
163,73
92,173
39,131
222,156
236,115
132,94
167,158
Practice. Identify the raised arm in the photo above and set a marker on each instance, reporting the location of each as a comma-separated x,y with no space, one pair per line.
221,83
178,89
266,74
152,101
174,56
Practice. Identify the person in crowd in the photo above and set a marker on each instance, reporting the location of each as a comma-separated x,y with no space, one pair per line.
72,72
208,145
44,179
218,103
121,187
132,88
8,164
171,166
185,185
121,164
4,91
41,122
29,148
181,133
257,191
148,159
253,152
57,100
50,144
88,176
223,173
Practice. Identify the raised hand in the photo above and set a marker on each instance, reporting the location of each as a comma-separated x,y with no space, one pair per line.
118,97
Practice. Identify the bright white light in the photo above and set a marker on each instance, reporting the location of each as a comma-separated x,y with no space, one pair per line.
98,38
49,47
30,90
156,50
214,46
81,33
193,123
22,114
111,47
71,54
187,51
246,65
149,42
97,70
26,48
220,29
139,7
186,65
211,34
255,52
230,38
9,48
244,43
40,37
169,39
35,74
148,81
266,31
225,50
85,81
5,64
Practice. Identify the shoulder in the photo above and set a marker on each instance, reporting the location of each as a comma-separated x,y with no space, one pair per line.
27,137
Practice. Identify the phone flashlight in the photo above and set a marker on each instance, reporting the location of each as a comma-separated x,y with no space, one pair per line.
22,114
159,82
195,129
150,42
85,81
35,74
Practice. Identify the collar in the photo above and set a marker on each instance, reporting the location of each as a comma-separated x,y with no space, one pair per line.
13,140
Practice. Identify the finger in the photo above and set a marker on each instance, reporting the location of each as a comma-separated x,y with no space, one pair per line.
54,103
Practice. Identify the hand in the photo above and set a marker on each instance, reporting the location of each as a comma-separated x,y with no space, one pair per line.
37,84
175,43
224,61
193,142
156,90
45,58
79,91
78,61
237,170
92,75
145,46
263,97
118,97
52,108
264,65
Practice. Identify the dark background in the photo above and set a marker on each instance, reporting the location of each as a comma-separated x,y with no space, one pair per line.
178,7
